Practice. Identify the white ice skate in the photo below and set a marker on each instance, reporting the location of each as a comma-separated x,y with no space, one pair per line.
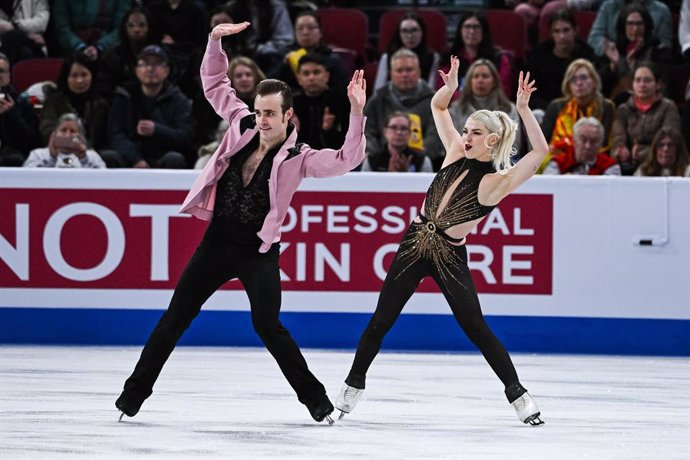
347,399
527,410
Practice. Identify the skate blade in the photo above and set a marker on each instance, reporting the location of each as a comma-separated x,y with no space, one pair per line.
534,421
329,420
122,414
342,414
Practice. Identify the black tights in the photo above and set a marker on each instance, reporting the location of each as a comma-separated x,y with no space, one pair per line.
397,290
214,263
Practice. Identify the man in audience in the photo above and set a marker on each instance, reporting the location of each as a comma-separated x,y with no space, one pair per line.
406,92
323,114
585,156
150,124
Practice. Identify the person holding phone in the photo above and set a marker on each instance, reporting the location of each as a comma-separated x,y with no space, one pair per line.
66,148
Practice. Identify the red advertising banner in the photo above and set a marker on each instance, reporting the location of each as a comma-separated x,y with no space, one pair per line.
332,241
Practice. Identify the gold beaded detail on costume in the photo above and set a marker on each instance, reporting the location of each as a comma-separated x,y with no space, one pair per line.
463,206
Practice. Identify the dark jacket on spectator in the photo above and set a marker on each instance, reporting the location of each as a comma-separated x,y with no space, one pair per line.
309,111
19,125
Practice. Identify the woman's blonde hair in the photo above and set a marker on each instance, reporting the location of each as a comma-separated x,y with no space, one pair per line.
498,123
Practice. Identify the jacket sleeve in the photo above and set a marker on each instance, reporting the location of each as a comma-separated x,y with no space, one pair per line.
331,162
112,37
118,130
179,130
216,84
38,23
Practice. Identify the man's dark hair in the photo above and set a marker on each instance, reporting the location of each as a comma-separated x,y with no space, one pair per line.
313,58
273,86
563,14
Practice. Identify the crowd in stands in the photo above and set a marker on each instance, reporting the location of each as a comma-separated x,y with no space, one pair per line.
613,94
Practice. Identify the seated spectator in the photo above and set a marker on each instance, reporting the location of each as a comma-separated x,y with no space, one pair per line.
406,92
582,89
548,61
668,156
118,64
66,148
473,41
75,93
323,114
18,121
150,124
22,28
585,156
536,11
395,155
88,27
410,34
641,117
605,25
308,39
184,29
482,90
635,43
270,33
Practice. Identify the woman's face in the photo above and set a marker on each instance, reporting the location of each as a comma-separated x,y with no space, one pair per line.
79,79
471,31
482,82
666,152
644,85
634,27
582,85
137,27
307,32
243,79
67,129
410,33
474,135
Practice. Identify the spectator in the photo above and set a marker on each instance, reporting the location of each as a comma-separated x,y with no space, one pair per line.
473,41
668,155
18,121
605,25
483,91
75,93
635,43
119,63
322,113
66,148
22,26
585,156
270,32
150,123
395,155
641,117
581,87
549,60
88,27
308,39
684,31
411,34
406,92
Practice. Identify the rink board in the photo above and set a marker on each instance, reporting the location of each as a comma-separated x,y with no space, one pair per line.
91,257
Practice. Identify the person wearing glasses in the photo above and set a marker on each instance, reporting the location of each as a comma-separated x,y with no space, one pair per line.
150,124
475,176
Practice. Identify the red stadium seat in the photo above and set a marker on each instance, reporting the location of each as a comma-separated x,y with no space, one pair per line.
434,22
508,30
346,28
29,71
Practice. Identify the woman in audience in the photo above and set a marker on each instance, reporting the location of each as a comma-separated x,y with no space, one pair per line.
483,90
641,117
635,43
118,63
473,41
66,148
411,34
75,93
581,87
668,155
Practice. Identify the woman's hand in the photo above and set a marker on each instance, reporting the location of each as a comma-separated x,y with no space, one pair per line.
357,92
450,79
525,90
221,30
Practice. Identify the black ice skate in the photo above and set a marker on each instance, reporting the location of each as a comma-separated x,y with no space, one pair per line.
527,410
321,409
128,405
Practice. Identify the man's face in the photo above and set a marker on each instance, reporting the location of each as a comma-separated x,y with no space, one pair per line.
137,27
397,132
270,119
152,70
307,32
405,73
313,78
563,35
4,73
588,142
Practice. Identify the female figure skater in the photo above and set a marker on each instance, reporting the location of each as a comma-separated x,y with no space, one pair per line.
475,176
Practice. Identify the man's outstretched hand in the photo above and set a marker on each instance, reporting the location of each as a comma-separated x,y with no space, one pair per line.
357,92
221,30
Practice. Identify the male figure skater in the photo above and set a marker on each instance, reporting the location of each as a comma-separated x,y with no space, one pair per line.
245,191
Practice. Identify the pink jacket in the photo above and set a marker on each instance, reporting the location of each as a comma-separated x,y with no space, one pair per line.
286,174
